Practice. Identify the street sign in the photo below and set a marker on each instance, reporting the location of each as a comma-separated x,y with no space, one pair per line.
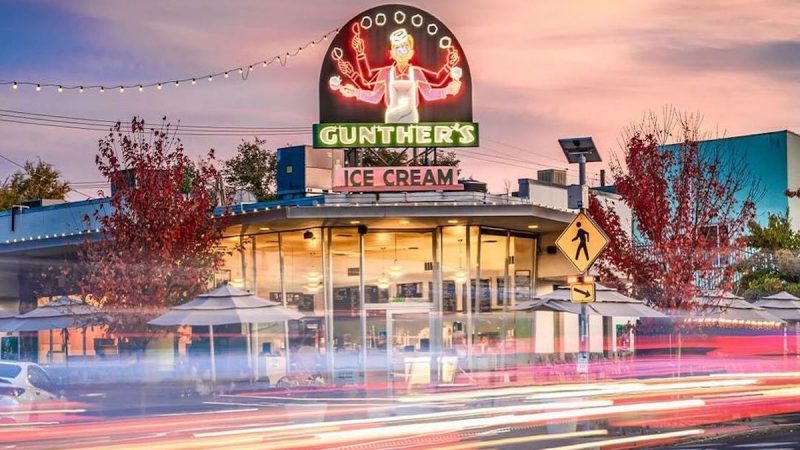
582,292
582,242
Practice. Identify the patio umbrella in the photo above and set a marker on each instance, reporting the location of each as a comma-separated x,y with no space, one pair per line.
609,303
58,314
729,307
787,307
223,306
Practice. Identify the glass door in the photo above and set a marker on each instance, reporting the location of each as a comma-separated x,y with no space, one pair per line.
411,353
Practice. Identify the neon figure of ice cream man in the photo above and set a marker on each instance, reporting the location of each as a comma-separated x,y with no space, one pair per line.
400,84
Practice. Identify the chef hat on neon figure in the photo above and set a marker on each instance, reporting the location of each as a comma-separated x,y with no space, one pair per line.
402,45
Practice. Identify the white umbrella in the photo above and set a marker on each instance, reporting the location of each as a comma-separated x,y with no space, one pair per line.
609,302
222,306
60,313
787,307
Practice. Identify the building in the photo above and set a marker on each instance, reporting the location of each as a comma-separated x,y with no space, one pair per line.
417,259
773,159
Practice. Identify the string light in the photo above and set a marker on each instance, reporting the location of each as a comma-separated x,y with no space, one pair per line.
102,89
141,88
282,58
158,86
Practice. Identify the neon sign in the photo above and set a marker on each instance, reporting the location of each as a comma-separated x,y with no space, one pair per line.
395,76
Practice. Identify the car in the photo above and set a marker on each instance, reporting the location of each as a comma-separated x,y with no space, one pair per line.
25,383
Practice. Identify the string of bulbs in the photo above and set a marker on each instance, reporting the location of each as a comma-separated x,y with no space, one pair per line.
243,71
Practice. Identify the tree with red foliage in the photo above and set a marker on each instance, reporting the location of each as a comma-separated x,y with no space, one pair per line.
690,208
158,243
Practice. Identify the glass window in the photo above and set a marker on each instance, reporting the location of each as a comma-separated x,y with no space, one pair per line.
345,275
268,268
9,370
39,379
302,270
398,266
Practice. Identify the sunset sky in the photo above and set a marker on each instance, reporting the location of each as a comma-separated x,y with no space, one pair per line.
541,69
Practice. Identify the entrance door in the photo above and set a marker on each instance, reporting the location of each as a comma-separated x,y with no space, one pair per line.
398,335
412,358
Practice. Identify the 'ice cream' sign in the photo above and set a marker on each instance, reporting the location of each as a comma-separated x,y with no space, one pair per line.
366,179
395,76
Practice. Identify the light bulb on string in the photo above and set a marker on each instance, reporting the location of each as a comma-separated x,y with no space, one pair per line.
282,58
121,89
141,88
80,89
177,83
158,86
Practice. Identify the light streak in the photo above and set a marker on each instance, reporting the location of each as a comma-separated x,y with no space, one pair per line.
414,417
631,440
521,440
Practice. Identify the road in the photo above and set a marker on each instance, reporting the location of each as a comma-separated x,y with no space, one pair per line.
717,410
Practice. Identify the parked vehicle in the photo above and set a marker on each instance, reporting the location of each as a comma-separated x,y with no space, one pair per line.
25,383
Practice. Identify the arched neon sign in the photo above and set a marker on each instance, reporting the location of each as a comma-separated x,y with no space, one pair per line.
395,76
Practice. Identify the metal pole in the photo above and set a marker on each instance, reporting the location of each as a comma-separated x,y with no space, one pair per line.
468,297
283,302
363,307
211,350
583,320
437,324
327,297
50,355
785,340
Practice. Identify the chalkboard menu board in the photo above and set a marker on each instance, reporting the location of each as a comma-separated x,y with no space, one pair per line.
522,285
448,295
485,295
346,298
306,303
409,290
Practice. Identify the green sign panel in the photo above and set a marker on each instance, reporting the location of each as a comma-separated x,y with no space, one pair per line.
430,134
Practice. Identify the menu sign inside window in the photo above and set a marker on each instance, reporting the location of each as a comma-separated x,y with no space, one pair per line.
384,179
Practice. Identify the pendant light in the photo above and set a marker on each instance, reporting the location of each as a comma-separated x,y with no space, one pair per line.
383,281
395,271
461,275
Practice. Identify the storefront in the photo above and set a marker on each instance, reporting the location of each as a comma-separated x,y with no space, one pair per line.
431,268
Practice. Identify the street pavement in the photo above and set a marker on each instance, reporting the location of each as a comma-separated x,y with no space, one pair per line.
716,409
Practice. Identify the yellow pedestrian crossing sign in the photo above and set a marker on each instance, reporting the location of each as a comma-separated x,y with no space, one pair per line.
582,242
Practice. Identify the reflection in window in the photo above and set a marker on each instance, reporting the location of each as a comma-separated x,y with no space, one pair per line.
398,266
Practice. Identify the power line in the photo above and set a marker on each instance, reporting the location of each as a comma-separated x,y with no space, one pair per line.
243,71
104,122
23,168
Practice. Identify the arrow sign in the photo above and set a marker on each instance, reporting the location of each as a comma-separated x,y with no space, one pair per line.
582,292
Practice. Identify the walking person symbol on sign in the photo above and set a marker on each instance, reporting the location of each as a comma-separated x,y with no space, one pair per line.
583,237
582,242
